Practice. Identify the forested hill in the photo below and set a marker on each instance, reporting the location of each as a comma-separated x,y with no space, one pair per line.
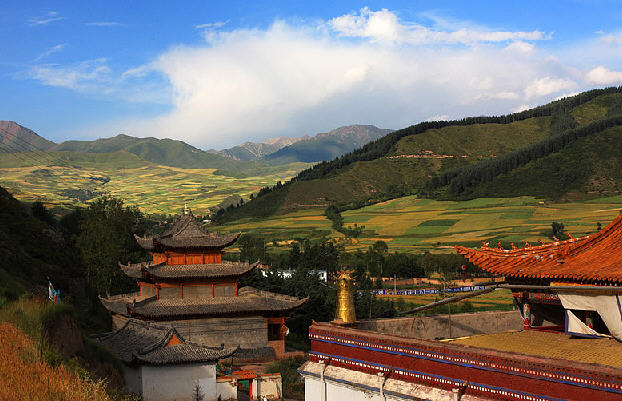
418,159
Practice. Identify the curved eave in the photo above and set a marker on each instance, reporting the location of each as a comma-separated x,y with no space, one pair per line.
145,242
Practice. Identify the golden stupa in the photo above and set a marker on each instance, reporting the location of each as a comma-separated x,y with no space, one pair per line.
345,298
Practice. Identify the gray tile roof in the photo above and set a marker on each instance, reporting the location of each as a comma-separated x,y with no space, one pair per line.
249,300
187,232
140,342
208,270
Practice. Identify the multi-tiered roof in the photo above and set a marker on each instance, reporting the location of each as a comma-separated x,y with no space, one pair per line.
187,233
595,258
187,278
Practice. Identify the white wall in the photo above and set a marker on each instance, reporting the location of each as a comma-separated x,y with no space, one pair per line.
176,382
227,389
268,386
336,392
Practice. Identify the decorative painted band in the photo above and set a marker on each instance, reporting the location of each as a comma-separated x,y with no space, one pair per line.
489,371
437,381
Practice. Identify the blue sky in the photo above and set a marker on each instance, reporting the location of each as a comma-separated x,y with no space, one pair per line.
215,74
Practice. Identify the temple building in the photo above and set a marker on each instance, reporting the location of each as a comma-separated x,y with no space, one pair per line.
572,285
566,291
187,285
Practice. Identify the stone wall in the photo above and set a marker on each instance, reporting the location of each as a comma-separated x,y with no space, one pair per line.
441,326
245,332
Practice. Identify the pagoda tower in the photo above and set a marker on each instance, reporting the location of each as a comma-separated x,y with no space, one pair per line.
189,286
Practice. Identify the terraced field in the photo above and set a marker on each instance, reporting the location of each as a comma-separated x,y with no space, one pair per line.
409,224
153,188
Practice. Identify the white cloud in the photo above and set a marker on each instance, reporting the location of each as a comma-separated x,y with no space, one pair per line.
78,77
103,23
293,79
384,26
96,78
548,85
438,117
604,76
212,25
51,16
51,50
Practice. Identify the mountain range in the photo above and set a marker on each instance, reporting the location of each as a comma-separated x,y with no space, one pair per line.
242,158
567,149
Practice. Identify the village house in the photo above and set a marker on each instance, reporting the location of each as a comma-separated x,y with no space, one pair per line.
188,286
161,365
566,290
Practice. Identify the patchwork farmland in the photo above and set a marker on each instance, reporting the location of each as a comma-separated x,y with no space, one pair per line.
410,224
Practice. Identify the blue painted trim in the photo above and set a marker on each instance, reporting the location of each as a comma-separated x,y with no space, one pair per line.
466,365
427,374
448,355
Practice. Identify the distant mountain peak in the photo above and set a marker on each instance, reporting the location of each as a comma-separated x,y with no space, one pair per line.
16,138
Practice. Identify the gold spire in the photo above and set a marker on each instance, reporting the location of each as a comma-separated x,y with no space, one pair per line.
345,298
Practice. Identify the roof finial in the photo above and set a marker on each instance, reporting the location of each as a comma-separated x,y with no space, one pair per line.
186,210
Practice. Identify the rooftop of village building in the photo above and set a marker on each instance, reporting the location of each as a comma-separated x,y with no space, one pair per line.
187,232
140,342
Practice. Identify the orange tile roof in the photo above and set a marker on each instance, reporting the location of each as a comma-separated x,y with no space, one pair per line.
595,257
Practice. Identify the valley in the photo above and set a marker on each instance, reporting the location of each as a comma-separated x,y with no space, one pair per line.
409,224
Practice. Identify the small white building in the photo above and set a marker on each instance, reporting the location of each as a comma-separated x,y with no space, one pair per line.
161,366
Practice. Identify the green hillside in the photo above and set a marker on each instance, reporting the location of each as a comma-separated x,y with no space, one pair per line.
406,161
167,152
590,166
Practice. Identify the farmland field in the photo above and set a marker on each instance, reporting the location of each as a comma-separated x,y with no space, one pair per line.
153,188
410,224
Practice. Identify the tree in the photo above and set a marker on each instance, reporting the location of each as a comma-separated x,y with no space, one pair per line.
40,212
197,392
252,248
558,230
106,238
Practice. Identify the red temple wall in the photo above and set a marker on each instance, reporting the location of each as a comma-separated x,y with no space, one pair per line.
489,374
176,258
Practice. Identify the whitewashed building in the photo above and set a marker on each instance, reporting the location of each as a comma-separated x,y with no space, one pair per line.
161,366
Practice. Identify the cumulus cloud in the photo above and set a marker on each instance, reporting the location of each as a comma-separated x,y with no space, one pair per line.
367,67
548,85
604,76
